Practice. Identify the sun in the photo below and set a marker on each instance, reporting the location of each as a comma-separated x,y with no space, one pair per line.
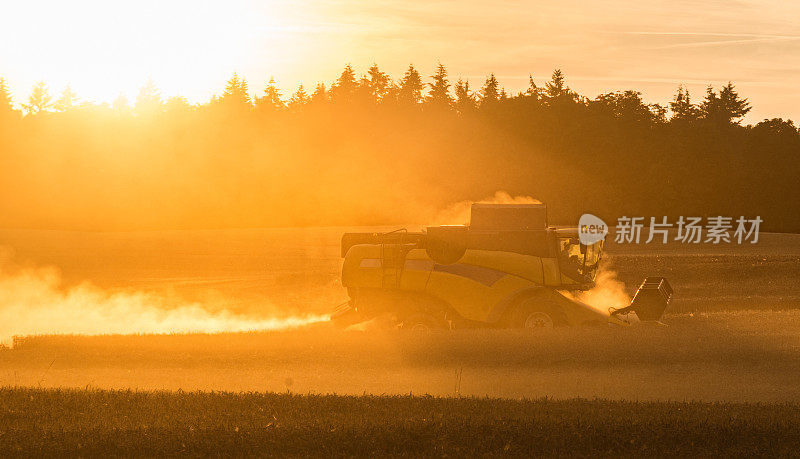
102,49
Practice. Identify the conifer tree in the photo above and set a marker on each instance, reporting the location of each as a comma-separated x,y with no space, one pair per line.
439,95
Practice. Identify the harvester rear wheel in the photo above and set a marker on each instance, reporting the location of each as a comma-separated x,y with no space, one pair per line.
538,319
424,323
532,315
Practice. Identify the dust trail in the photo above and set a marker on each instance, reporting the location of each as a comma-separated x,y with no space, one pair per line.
458,213
33,301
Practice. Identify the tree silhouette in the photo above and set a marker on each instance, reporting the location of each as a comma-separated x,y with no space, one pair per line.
39,100
299,98
344,89
626,105
148,101
439,95
410,91
724,108
533,91
490,92
778,128
320,94
271,100
556,88
6,105
682,108
67,100
7,111
236,94
658,112
377,83
465,99
733,106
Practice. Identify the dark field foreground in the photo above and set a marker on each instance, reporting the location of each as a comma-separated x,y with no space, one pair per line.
94,422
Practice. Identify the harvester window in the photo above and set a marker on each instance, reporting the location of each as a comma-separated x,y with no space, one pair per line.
577,261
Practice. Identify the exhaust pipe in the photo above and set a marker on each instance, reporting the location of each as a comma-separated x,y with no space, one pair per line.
650,300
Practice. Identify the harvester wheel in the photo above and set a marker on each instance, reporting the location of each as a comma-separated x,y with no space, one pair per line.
538,319
532,316
424,323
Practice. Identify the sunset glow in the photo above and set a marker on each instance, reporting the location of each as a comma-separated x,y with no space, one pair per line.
399,228
190,48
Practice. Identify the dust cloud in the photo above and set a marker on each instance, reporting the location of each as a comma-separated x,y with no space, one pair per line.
458,213
34,301
608,292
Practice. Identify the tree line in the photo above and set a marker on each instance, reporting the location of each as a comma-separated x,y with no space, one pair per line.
370,149
378,88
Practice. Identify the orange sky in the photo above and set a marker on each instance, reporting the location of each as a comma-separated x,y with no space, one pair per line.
190,47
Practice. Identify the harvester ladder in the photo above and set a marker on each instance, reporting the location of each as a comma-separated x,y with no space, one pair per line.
392,260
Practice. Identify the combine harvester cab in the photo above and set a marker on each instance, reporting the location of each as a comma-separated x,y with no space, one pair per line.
506,269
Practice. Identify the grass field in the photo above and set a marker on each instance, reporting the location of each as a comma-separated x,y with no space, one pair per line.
102,423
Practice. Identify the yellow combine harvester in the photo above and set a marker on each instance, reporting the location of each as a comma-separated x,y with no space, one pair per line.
507,268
